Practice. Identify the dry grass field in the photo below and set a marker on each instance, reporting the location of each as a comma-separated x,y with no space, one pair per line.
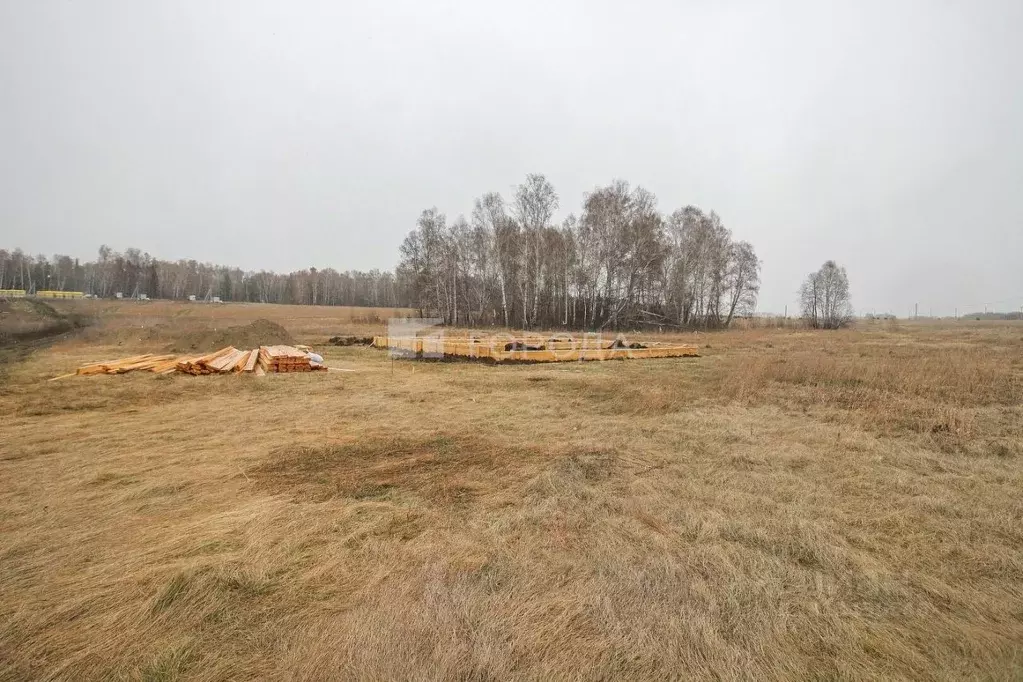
793,504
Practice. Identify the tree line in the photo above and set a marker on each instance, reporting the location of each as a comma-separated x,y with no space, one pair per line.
134,272
621,263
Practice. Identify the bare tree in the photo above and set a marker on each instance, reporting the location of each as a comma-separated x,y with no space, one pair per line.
489,217
824,297
743,279
535,204
5,262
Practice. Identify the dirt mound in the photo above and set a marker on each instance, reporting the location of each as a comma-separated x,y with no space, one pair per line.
351,341
258,333
620,343
26,319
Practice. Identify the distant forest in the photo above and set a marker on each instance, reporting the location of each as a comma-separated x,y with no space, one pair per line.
620,263
134,272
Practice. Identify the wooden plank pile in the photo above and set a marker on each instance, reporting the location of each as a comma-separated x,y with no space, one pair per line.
225,360
228,360
159,364
284,359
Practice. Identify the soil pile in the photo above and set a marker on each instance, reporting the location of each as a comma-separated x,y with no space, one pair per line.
258,333
26,319
351,341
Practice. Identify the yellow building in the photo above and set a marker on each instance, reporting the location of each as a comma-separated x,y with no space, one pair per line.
12,293
59,294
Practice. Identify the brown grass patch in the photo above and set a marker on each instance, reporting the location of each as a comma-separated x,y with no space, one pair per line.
437,468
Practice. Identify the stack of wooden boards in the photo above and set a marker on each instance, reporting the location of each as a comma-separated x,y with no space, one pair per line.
159,364
285,359
225,360
257,361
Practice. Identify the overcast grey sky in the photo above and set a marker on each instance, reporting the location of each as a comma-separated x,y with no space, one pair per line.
886,135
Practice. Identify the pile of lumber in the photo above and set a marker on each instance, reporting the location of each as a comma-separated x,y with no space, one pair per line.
159,364
256,361
225,360
285,359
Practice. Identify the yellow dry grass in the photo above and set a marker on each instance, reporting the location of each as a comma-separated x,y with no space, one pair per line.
791,505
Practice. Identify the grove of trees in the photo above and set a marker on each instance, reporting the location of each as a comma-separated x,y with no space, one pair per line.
824,297
620,263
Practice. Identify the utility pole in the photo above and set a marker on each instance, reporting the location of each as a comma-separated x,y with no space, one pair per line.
916,311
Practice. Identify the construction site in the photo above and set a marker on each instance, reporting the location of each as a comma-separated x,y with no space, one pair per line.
761,503
530,348
496,349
